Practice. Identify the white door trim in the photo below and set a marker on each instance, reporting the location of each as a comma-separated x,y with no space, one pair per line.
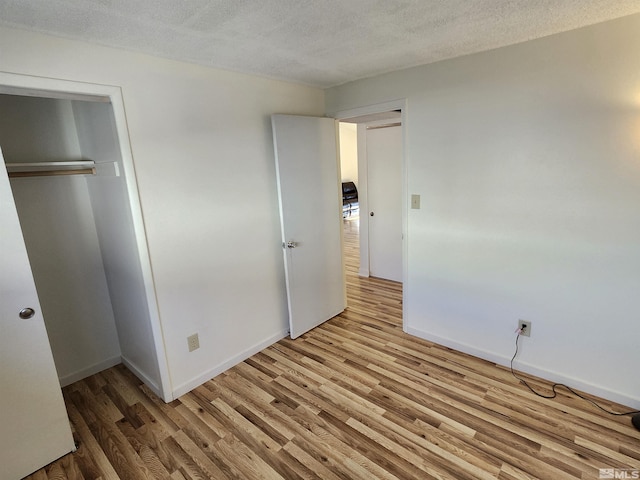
399,104
30,85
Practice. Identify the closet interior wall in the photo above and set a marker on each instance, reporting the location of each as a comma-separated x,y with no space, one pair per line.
79,234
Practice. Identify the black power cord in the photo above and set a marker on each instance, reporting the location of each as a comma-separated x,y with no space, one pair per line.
556,385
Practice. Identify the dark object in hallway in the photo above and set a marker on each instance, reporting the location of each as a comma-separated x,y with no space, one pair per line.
350,206
636,420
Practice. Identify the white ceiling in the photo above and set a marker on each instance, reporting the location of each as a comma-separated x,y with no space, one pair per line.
315,42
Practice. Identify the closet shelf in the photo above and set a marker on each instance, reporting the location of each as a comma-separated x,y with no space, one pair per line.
42,169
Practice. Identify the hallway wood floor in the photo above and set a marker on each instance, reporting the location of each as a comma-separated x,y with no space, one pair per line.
355,398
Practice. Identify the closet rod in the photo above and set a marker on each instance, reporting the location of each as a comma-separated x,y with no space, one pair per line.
386,125
35,169
75,163
49,173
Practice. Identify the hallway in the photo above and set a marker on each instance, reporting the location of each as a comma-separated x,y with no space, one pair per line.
373,297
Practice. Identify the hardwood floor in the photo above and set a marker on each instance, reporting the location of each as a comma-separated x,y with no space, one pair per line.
353,399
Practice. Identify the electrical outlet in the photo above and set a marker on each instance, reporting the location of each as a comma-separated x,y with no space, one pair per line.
194,342
525,328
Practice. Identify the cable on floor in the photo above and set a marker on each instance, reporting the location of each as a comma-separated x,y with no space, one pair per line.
556,385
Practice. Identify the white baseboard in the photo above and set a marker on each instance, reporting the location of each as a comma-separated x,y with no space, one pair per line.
88,371
554,377
155,388
217,370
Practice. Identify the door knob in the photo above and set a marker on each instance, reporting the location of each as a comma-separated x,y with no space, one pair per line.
292,244
371,214
26,313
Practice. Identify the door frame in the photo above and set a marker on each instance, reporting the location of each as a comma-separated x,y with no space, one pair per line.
399,104
34,86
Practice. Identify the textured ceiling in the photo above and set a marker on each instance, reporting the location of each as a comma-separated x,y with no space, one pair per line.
316,42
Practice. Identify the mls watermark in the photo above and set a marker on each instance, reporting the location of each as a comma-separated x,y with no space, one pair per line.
619,473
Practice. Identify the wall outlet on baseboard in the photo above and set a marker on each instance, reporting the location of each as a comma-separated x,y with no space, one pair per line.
524,327
194,342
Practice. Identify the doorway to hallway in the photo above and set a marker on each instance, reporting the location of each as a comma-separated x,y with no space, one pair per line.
371,154
360,282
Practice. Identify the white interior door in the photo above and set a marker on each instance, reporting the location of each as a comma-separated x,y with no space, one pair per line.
311,218
33,418
384,183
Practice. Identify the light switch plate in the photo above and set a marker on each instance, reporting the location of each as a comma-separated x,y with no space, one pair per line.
415,201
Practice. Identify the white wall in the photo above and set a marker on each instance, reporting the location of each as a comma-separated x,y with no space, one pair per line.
58,226
56,137
527,160
114,227
203,154
349,152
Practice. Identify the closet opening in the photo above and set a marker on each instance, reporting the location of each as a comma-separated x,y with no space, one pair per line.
72,181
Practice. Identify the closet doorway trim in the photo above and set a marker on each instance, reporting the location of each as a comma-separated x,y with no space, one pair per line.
28,85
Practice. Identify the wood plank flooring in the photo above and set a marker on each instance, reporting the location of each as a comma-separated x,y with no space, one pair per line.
354,399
